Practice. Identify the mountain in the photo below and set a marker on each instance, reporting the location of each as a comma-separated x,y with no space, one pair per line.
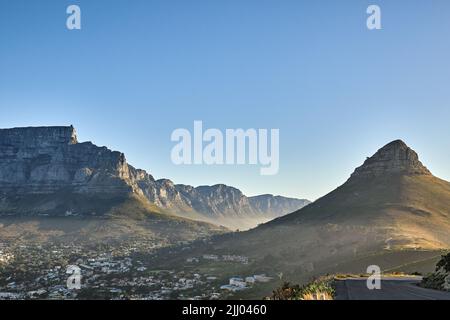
218,204
221,204
53,187
46,171
391,212
268,203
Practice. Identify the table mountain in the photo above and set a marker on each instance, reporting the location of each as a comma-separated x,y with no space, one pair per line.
53,188
45,170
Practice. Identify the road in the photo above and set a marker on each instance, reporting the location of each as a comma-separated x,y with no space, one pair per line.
391,289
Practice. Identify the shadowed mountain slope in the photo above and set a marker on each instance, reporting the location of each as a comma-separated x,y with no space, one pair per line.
391,203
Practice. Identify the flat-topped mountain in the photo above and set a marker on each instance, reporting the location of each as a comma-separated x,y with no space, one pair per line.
53,188
45,170
47,159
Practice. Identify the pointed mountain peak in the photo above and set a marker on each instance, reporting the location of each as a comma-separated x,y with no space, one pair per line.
396,144
394,158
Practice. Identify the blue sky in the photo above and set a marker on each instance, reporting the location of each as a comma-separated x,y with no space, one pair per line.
139,69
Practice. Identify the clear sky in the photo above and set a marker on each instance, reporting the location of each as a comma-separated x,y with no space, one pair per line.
139,69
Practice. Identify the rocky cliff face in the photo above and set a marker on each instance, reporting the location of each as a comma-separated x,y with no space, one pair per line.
219,204
46,159
50,161
394,158
219,200
268,203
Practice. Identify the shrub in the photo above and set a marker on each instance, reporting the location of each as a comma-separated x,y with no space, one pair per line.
318,289
434,281
444,263
437,280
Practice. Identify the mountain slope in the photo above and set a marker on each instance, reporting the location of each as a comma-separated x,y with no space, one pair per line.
270,204
228,206
132,219
393,191
46,171
390,203
218,204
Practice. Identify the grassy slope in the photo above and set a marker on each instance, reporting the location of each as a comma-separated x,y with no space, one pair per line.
398,212
399,222
122,219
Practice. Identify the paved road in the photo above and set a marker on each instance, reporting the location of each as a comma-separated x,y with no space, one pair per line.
391,289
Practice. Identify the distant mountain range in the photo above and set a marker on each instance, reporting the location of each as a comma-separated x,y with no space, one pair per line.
46,171
219,204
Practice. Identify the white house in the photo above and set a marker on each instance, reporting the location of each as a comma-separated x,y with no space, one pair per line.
262,278
237,282
250,280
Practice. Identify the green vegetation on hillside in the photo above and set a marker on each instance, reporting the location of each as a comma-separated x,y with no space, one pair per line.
440,279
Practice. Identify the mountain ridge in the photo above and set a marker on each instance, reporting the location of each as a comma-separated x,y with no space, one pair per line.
45,160
392,205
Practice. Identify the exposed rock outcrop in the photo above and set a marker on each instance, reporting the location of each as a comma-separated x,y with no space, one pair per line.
269,203
50,161
46,159
394,158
